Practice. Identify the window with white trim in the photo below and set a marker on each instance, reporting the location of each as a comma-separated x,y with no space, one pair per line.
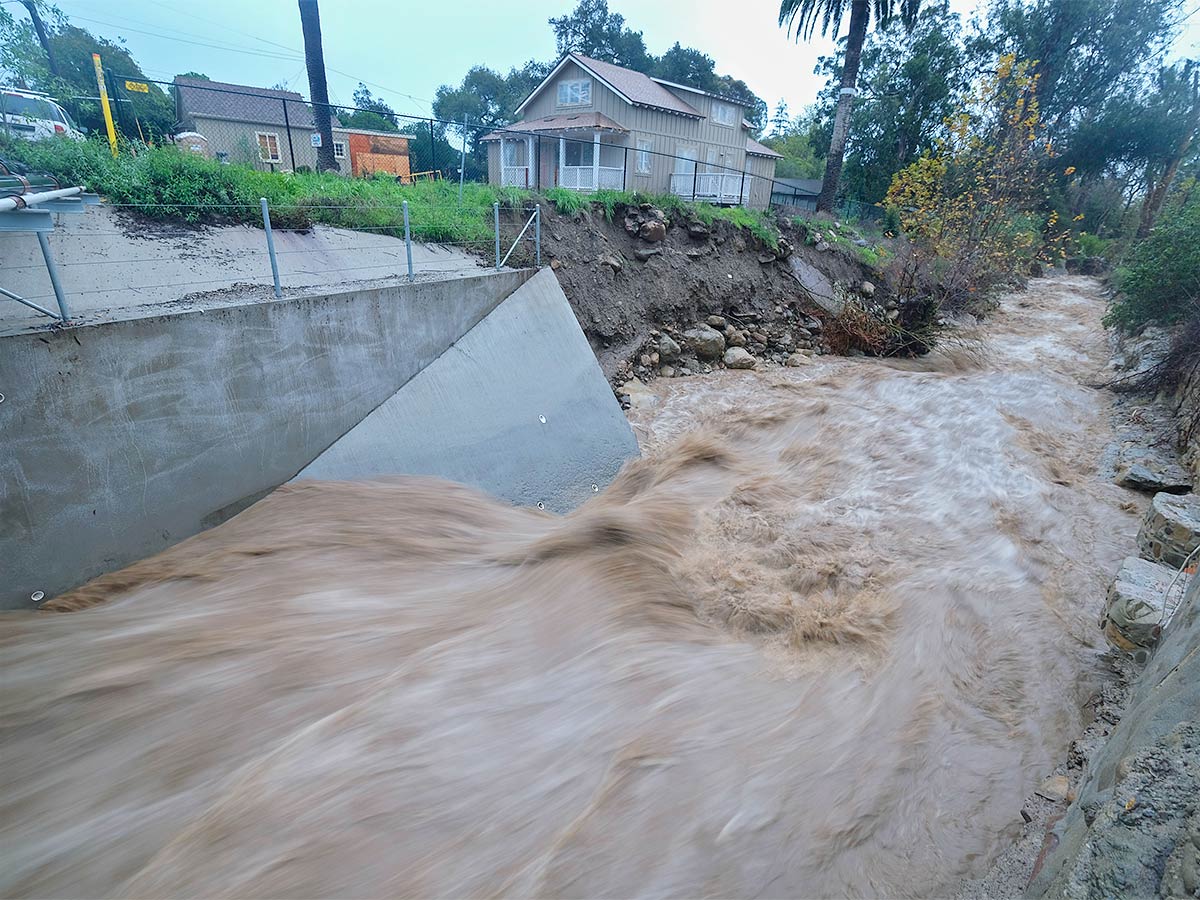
644,149
268,146
339,149
577,92
724,113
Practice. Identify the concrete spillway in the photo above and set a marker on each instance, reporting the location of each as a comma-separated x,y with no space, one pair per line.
124,437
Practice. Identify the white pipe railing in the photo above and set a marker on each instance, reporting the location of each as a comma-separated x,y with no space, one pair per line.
24,200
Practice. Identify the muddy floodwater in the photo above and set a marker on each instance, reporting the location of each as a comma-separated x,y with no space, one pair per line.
821,641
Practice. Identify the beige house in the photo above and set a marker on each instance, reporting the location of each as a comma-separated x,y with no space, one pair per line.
592,124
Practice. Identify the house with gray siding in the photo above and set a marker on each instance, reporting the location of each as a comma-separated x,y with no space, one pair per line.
593,125
261,127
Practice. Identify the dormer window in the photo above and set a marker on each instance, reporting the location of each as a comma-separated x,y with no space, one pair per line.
724,113
577,92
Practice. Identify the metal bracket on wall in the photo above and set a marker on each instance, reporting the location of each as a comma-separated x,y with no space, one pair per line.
40,222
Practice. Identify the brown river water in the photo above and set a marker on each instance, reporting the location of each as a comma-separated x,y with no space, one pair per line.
821,641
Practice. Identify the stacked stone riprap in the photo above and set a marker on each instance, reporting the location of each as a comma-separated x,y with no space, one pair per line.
1171,530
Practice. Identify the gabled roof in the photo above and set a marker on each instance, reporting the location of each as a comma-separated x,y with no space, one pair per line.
241,103
728,98
754,148
592,121
635,88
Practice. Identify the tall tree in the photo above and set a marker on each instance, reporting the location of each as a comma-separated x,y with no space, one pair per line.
801,18
318,90
591,30
910,83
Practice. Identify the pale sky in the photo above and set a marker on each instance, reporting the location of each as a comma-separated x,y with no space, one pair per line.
405,50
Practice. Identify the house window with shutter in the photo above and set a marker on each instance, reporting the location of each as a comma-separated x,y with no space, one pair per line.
268,146
339,149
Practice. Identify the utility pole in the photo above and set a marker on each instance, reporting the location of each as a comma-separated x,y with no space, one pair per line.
318,90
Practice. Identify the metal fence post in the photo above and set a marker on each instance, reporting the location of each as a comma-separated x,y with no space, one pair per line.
271,247
496,217
625,169
291,150
407,240
462,163
695,176
538,157
432,149
537,233
742,198
44,243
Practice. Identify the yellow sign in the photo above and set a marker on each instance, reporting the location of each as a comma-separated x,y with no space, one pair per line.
140,86
108,120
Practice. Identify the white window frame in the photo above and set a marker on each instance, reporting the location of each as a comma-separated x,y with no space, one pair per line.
722,111
339,149
277,157
644,150
580,87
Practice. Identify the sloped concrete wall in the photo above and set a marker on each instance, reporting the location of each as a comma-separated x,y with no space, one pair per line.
124,437
1134,830
517,407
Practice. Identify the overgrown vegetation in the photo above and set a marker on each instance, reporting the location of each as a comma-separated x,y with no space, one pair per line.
970,207
1159,279
166,183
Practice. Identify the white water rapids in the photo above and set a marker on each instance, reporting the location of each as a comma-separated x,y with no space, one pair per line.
821,641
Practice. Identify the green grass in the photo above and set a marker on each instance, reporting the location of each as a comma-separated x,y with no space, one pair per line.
844,237
166,183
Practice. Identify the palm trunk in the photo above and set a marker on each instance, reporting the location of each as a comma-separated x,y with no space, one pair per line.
318,91
859,14
40,28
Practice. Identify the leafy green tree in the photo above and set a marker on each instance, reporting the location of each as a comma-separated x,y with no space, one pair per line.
591,30
802,18
370,112
911,83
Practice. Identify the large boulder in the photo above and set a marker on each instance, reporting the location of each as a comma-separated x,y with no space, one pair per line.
1151,472
705,342
668,347
653,231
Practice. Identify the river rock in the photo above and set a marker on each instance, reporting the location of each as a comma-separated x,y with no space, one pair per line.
667,372
1171,529
640,396
1145,470
717,322
734,337
705,342
697,230
796,360
645,253
1054,788
653,231
613,262
867,289
738,358
668,348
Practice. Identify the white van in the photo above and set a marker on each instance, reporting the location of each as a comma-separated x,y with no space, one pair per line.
34,116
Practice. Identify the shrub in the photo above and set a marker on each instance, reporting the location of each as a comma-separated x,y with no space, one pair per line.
1091,245
1159,280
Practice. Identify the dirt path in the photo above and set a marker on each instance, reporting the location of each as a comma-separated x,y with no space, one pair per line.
822,641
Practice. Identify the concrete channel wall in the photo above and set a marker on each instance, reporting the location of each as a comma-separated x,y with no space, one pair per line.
1134,830
124,437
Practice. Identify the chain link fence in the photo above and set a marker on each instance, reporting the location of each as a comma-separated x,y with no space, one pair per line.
278,131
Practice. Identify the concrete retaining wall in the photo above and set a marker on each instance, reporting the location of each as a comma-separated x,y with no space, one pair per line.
1134,830
125,437
518,407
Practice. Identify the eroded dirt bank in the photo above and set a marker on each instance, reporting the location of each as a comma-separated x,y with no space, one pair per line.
822,641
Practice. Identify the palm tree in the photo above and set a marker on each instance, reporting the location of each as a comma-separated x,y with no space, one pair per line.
318,91
40,28
802,16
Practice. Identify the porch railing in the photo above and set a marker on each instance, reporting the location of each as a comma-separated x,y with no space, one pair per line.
515,176
713,187
582,178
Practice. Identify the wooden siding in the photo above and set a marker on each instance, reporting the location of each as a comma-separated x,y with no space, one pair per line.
763,170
